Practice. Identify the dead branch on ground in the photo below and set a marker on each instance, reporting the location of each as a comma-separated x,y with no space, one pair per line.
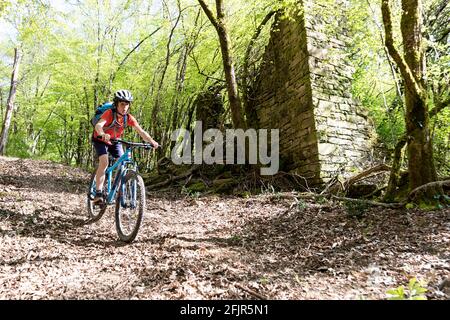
422,188
370,203
174,178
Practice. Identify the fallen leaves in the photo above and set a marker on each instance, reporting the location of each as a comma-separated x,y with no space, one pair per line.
206,248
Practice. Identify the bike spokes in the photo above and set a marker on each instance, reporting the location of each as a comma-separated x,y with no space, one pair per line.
130,208
95,210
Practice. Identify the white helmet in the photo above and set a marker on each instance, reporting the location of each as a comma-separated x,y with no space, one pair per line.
123,95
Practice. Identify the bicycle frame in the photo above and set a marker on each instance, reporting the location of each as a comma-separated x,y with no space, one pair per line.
120,164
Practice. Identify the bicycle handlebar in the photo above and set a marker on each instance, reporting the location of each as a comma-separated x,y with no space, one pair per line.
131,144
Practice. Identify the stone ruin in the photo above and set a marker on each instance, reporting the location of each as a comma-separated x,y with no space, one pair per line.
303,88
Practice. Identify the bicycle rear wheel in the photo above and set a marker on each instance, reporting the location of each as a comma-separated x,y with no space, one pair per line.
95,211
130,205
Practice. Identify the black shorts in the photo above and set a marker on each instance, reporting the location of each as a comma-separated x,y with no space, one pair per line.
102,148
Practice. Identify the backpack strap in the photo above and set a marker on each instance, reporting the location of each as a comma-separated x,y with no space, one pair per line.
125,118
113,110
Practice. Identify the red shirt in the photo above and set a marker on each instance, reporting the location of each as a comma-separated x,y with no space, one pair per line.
116,130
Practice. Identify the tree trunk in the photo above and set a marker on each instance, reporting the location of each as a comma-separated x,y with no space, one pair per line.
233,94
228,66
156,119
420,149
180,78
1,102
394,177
10,103
82,129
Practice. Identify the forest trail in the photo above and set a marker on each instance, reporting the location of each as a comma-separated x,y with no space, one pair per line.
207,247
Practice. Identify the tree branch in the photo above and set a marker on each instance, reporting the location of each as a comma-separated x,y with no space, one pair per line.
252,41
174,178
209,13
201,72
137,46
220,10
251,292
440,105
364,174
368,202
394,177
443,35
388,58
438,184
389,42
129,53
245,80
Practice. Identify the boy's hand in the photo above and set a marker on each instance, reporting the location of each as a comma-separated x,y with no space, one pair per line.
106,137
155,144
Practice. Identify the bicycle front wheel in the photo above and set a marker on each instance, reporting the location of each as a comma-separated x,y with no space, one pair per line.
95,211
130,205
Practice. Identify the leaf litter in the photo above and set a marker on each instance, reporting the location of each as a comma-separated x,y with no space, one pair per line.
210,247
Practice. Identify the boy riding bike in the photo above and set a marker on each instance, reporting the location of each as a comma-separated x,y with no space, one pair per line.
111,126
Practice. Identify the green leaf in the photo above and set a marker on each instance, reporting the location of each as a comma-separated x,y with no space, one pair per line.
396,294
410,206
412,282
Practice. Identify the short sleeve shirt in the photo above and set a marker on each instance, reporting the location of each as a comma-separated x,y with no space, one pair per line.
116,130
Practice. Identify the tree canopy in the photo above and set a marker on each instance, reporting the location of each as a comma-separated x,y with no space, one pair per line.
75,54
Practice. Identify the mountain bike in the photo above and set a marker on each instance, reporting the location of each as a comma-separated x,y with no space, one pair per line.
125,188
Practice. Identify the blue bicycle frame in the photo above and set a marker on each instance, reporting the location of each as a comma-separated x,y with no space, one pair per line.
121,163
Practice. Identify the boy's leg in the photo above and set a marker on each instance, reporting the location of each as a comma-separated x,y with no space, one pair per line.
116,150
100,175
102,152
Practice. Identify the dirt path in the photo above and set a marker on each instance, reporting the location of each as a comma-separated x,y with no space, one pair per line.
208,247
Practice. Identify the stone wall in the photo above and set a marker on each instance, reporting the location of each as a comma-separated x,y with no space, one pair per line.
303,89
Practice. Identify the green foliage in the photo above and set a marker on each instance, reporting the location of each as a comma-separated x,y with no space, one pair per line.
301,204
321,200
441,140
410,205
82,52
191,192
415,291
374,84
3,6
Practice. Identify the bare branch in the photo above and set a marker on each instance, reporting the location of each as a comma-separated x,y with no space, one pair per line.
132,50
252,41
251,292
364,174
371,203
201,72
435,184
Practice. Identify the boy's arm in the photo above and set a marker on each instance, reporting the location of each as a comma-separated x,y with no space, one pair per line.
144,135
99,130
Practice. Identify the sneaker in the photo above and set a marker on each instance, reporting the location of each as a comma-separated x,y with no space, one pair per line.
98,199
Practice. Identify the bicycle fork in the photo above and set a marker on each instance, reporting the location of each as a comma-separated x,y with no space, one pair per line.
129,194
